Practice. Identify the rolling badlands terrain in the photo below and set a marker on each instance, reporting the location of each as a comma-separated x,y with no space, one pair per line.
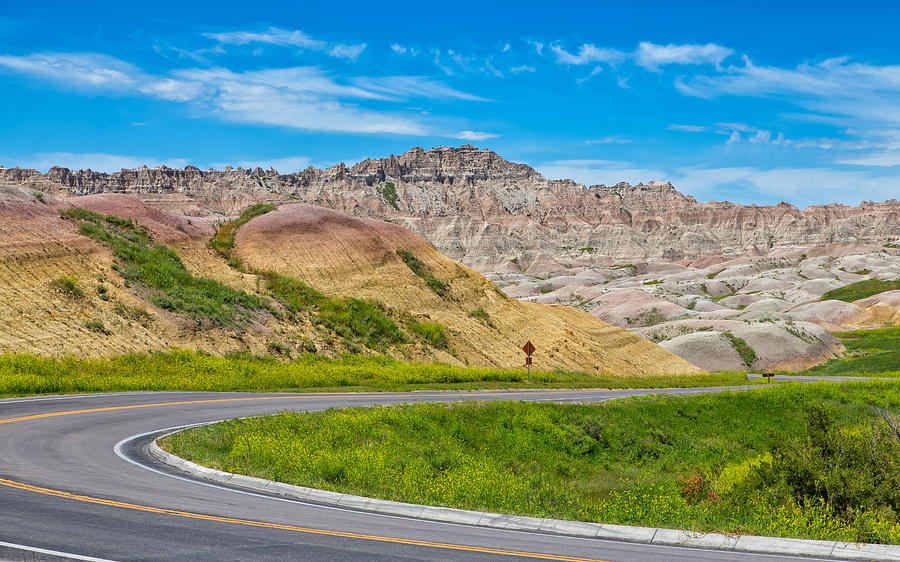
694,277
107,309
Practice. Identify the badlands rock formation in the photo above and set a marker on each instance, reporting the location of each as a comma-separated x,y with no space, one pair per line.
690,275
476,207
338,254
773,304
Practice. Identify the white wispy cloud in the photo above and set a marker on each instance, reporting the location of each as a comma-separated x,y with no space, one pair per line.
522,68
82,70
608,140
801,186
652,56
349,52
474,135
413,86
97,72
881,159
297,97
300,98
587,54
688,128
837,90
96,161
272,36
286,38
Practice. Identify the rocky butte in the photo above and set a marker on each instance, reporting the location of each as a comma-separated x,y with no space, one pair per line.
483,210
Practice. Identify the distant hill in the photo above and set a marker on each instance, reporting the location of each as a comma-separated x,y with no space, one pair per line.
476,207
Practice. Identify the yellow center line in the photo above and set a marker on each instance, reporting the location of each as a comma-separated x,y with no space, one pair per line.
249,398
250,523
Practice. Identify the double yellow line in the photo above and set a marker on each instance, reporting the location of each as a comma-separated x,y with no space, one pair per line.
247,522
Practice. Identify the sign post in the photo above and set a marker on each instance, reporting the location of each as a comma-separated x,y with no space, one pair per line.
528,348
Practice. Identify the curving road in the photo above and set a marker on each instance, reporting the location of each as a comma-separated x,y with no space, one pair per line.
68,491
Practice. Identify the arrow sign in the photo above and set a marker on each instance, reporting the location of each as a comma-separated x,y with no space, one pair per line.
528,348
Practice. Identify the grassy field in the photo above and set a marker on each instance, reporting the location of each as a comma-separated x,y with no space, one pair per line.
869,353
189,371
861,290
690,462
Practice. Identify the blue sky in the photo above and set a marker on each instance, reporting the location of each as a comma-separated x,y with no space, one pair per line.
753,103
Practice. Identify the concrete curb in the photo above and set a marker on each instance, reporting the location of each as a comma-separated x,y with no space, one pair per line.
646,535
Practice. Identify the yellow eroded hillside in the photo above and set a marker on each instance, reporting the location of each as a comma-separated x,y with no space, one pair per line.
337,254
347,256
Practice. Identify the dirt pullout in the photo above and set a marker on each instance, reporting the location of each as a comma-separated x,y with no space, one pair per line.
347,256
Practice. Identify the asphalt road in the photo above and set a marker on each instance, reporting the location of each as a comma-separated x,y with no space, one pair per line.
65,490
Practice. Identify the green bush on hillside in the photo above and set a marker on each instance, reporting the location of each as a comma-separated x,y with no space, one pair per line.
748,356
360,320
67,284
417,267
432,332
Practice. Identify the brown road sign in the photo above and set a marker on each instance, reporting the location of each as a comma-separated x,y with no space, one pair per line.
528,349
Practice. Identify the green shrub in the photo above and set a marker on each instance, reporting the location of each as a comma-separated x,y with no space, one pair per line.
417,267
96,326
136,313
293,294
545,288
389,192
278,348
482,316
40,197
365,321
431,332
67,284
748,356
853,468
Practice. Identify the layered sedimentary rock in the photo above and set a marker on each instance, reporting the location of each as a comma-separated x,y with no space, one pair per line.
475,206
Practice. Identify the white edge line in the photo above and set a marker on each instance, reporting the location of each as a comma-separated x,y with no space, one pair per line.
53,552
200,481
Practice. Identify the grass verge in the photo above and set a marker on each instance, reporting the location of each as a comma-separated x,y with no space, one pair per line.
869,353
188,371
689,462
861,290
